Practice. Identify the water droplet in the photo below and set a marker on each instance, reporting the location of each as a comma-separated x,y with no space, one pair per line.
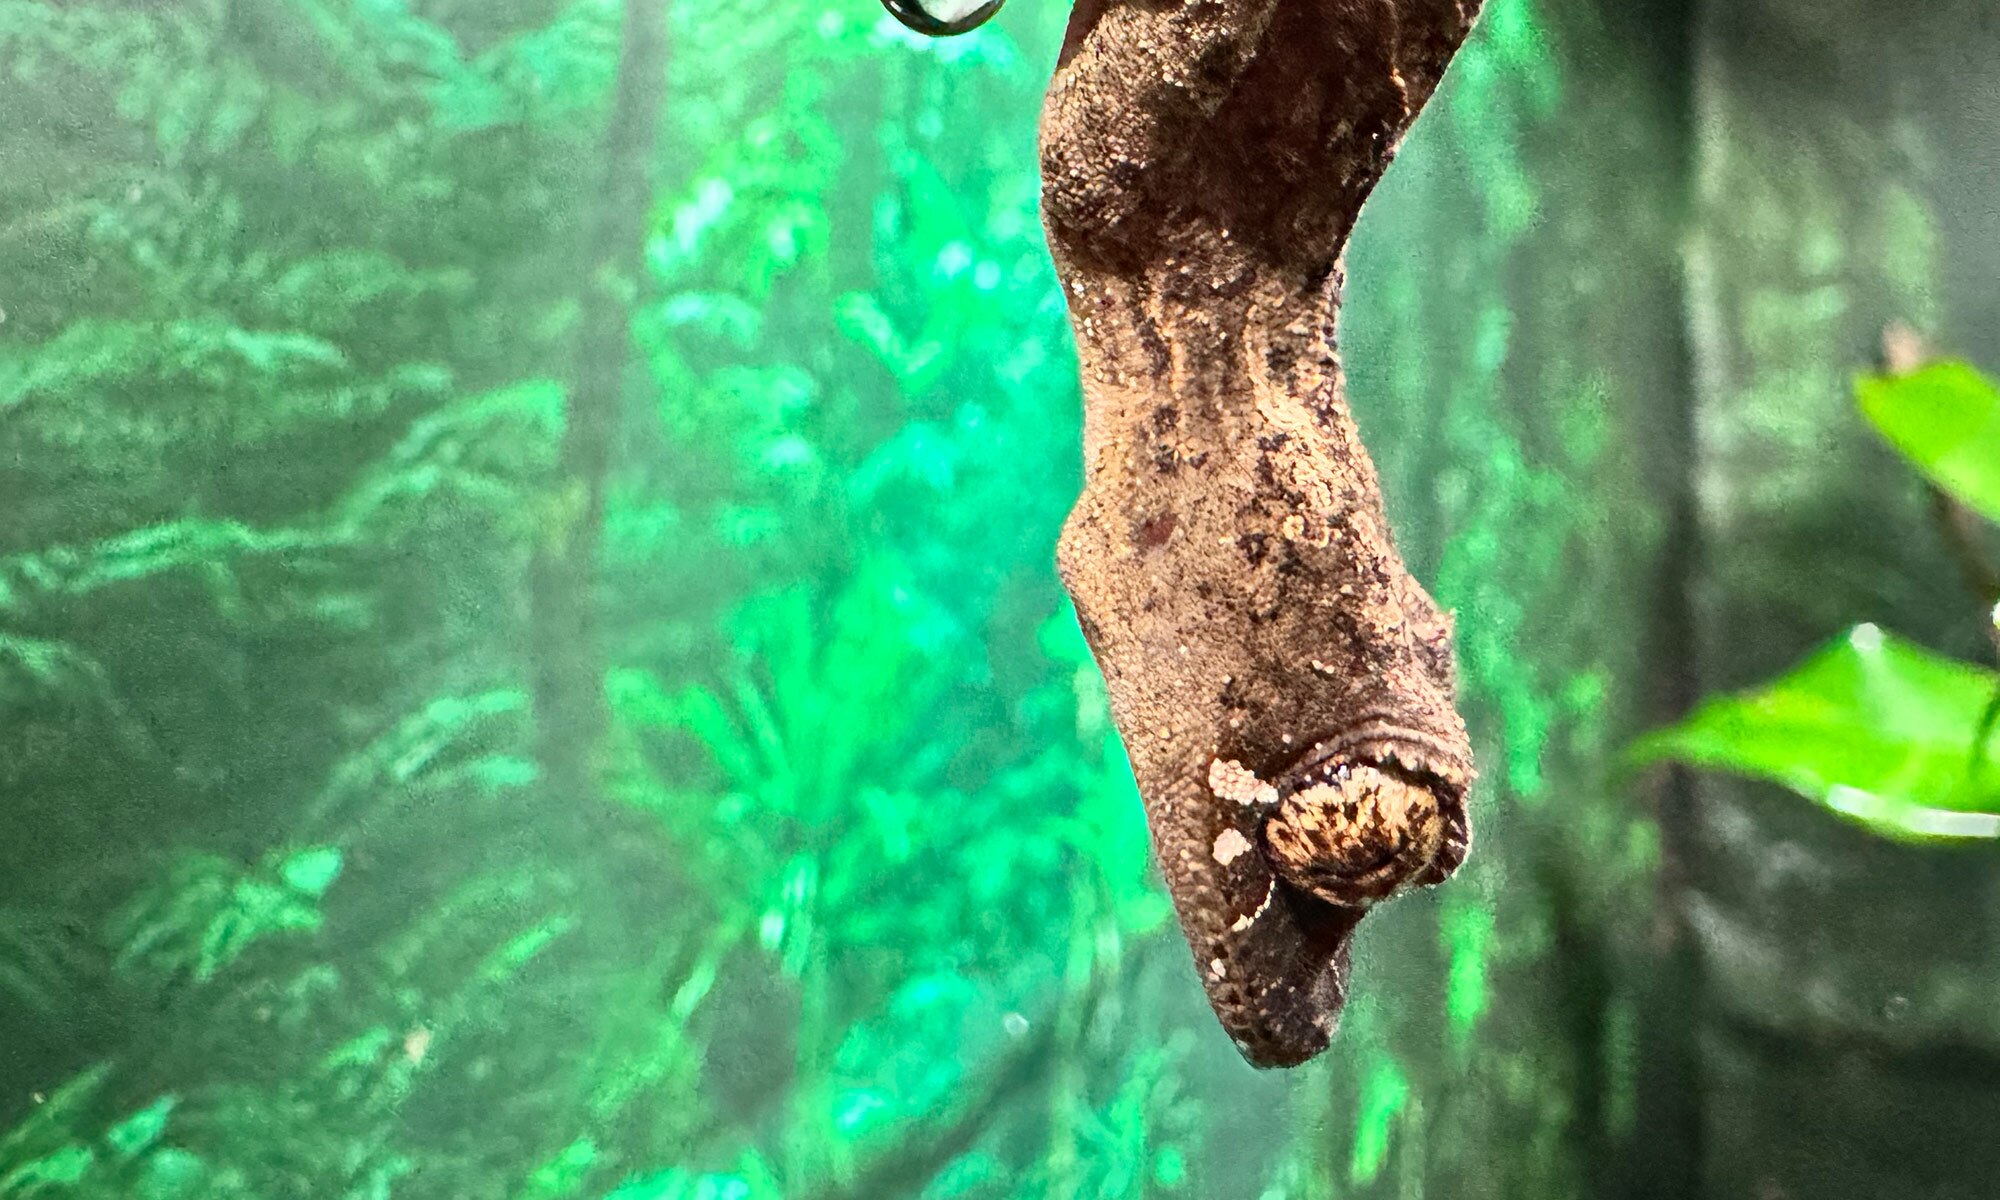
1015,1024
1896,1009
942,18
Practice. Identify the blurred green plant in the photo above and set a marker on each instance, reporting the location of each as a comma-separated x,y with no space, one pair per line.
1873,727
287,893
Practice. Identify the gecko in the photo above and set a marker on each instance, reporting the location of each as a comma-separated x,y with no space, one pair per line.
1284,687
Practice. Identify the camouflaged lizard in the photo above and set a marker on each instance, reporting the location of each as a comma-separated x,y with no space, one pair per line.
1283,685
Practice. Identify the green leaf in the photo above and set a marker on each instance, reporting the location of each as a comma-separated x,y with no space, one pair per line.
861,317
256,910
135,1133
66,1166
1945,418
48,1125
523,948
312,870
562,1175
1872,727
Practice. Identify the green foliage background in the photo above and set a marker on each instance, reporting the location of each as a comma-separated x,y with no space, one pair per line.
860,905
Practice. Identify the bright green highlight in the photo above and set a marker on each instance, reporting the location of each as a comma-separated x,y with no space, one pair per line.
1466,933
1384,1092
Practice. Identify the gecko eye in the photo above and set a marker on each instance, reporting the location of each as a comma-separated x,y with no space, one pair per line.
942,18
1353,833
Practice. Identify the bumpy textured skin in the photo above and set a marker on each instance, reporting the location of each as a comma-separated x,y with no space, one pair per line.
1283,685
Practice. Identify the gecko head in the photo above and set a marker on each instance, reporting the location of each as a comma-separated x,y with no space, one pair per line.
1356,828
942,18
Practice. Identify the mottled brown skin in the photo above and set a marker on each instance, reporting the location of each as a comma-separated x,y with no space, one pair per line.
1283,685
